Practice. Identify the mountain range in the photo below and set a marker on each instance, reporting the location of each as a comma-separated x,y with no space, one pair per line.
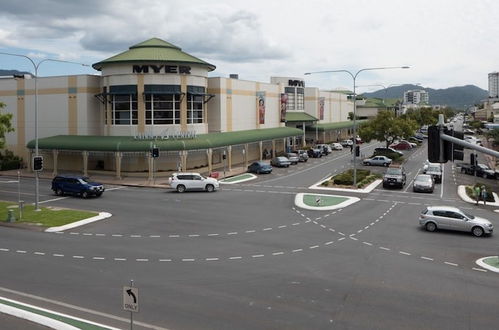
460,97
13,72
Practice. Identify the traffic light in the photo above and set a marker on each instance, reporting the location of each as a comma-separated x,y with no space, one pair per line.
155,152
37,163
454,151
473,159
434,146
357,151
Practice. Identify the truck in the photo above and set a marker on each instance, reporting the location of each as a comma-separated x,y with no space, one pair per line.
394,177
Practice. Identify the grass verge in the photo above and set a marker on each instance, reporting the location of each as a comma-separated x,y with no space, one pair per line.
46,217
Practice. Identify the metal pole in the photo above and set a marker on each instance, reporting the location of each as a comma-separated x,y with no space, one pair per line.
354,133
131,313
37,179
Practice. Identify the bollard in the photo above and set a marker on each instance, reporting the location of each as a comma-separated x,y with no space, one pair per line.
10,216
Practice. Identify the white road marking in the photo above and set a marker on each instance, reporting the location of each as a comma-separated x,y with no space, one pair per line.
20,251
267,229
188,259
142,259
119,259
450,263
98,258
314,247
39,253
211,259
78,257
297,250
235,258
329,243
479,270
405,253
213,234
384,248
277,253
257,255
367,243
4,249
57,255
52,200
426,258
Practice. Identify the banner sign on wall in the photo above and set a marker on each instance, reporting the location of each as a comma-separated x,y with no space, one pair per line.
260,96
321,108
284,105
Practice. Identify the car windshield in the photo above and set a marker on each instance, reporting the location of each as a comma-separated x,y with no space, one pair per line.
281,159
83,180
423,178
292,155
434,168
469,216
393,171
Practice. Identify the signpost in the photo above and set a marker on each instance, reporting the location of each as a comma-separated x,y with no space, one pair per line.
131,300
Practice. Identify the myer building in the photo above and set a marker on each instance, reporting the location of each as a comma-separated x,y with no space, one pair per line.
154,95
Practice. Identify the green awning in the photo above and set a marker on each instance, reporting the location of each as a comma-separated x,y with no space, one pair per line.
128,143
333,126
299,116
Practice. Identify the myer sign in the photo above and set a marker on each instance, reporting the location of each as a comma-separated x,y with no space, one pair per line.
166,135
162,69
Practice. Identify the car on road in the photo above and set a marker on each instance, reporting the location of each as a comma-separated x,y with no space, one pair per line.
427,163
302,155
377,160
192,181
293,158
452,218
346,143
394,177
260,168
401,145
280,162
314,153
386,151
325,148
76,185
423,183
481,170
435,171
336,146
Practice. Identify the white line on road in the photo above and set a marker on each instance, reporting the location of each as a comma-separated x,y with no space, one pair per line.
52,200
426,258
384,248
450,263
405,253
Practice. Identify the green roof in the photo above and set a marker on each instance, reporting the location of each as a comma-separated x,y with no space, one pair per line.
299,116
128,143
153,51
332,126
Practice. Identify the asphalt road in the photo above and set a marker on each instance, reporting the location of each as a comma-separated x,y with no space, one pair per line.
246,258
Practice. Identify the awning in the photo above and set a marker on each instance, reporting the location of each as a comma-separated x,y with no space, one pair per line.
333,126
299,116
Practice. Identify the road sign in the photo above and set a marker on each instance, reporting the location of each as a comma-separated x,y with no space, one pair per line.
131,299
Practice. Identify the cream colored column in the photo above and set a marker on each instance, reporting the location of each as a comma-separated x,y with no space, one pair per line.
21,120
55,154
141,107
209,155
72,106
304,144
294,142
183,104
260,144
229,158
324,136
228,106
85,162
117,157
184,160
246,155
272,155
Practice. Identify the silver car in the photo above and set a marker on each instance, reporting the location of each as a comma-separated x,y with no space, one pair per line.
452,218
423,183
293,158
377,160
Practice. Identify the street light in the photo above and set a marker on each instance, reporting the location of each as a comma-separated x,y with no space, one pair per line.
36,66
354,77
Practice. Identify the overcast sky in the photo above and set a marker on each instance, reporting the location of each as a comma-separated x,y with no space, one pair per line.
445,42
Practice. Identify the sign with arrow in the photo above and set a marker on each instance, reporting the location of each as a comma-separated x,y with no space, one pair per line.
131,299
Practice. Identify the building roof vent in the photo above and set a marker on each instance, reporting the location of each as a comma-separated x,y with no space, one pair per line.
234,76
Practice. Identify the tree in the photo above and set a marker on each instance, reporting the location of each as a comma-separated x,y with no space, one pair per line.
493,134
5,125
387,128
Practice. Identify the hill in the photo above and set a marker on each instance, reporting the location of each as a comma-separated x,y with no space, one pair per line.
458,97
13,72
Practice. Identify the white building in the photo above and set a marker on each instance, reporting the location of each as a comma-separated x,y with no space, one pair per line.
416,97
494,85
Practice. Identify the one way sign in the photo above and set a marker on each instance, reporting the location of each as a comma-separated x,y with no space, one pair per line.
130,299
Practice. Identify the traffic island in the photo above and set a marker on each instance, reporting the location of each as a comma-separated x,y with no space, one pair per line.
490,263
322,202
238,178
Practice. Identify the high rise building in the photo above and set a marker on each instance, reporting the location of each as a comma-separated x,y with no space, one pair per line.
494,85
418,97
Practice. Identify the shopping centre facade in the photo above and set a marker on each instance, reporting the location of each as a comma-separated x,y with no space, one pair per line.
154,95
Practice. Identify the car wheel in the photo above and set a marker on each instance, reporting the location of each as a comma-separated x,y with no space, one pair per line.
210,188
477,231
484,175
59,192
385,164
257,171
368,164
431,226
180,188
84,194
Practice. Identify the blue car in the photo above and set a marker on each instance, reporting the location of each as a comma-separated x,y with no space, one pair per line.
259,167
76,185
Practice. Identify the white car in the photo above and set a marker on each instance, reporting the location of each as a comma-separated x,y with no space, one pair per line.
192,181
427,164
336,146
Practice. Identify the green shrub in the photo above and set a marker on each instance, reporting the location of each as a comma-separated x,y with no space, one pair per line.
9,161
346,178
469,192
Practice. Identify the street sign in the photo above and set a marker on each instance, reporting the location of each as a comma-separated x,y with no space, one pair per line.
131,299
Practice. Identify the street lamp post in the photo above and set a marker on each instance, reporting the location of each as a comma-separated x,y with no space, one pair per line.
36,66
354,77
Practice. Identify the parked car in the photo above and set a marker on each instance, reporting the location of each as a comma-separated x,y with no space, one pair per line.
260,167
377,160
280,162
401,145
314,153
468,131
386,151
76,185
435,171
423,183
336,146
346,143
293,158
413,145
302,155
481,170
192,181
452,218
394,177
325,148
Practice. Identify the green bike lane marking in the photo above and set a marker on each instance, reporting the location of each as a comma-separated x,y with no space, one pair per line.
68,320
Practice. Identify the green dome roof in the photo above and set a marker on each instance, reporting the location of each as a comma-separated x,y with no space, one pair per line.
153,51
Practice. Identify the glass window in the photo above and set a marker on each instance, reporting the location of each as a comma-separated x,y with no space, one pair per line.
195,111
124,108
162,109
